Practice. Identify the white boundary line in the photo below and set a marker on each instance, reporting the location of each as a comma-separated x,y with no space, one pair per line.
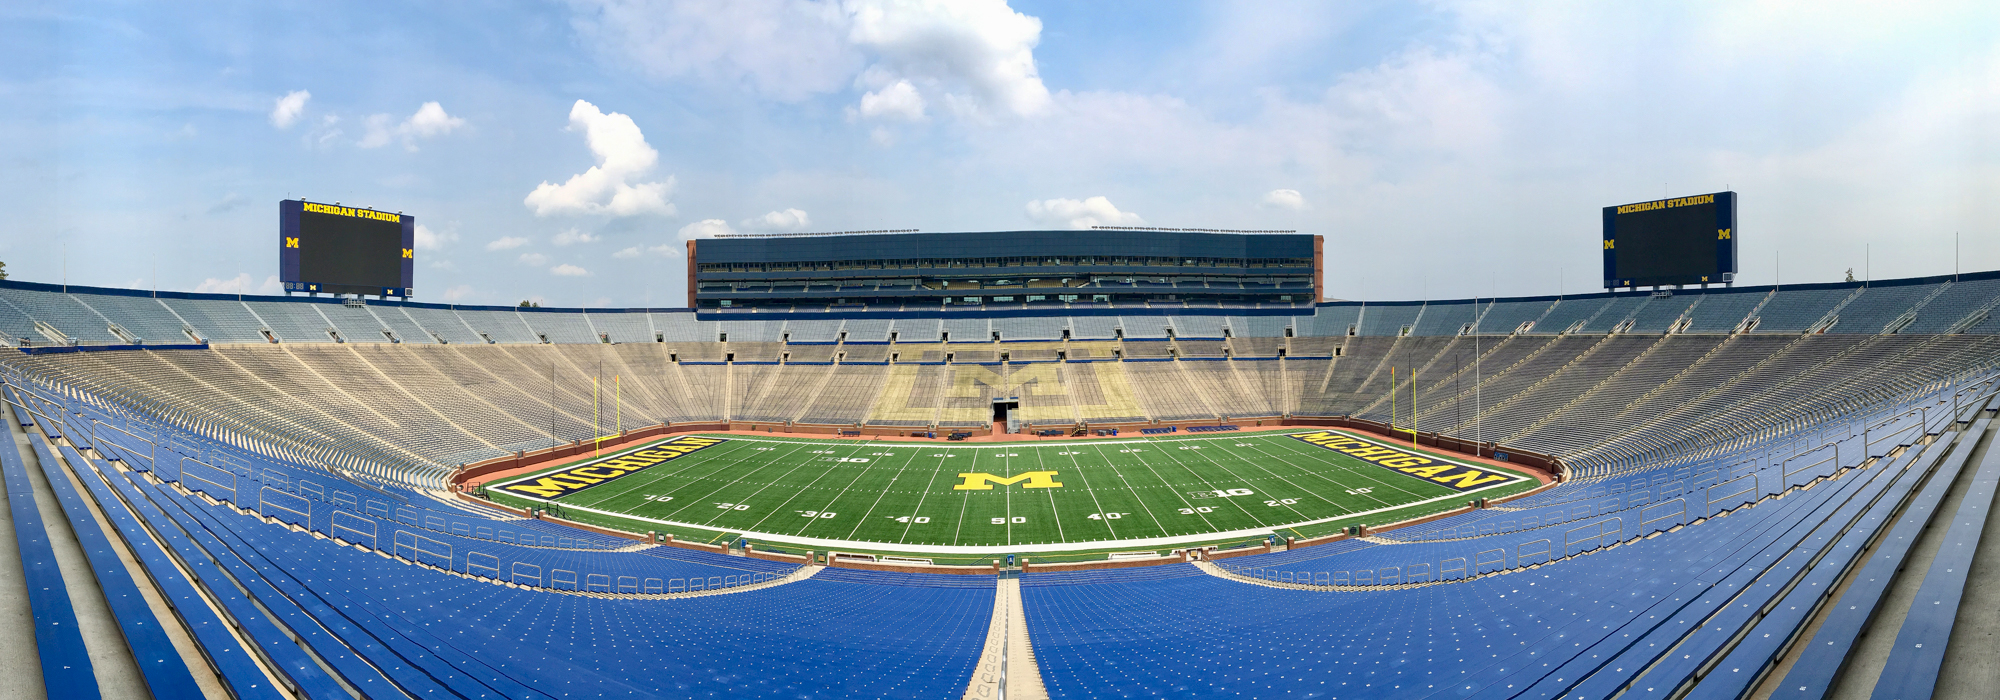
1028,549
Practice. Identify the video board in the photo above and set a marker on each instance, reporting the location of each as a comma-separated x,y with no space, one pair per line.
345,250
1681,240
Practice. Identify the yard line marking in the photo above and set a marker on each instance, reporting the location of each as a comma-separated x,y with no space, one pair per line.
606,492
1334,462
706,478
920,502
1205,482
1043,464
800,490
884,492
1163,481
1302,490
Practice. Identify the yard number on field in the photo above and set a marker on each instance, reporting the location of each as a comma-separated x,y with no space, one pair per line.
815,514
732,506
1221,493
1107,516
1016,520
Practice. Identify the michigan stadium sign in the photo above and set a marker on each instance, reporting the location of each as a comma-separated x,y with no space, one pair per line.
1454,475
564,482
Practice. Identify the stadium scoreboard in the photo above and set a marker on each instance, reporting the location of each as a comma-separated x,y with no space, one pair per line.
1675,241
345,250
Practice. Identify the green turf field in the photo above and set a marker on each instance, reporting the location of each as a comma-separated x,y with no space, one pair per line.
959,497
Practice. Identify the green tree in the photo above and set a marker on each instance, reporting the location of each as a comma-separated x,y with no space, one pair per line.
524,303
3,270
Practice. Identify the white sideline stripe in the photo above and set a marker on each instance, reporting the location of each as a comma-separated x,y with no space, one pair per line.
1030,548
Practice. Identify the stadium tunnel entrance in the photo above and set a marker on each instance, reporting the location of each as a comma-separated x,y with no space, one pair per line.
1003,414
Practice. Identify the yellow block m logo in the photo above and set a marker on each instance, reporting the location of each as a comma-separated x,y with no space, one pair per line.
978,481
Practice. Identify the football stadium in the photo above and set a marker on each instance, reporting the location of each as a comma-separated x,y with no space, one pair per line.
706,349
1192,487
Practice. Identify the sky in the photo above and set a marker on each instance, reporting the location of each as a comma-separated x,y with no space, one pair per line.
563,152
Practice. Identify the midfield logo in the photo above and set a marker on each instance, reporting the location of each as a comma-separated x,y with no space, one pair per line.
568,481
978,481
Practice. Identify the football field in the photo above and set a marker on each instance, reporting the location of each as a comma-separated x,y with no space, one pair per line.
1023,496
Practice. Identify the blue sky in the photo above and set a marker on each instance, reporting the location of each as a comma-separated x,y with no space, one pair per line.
563,151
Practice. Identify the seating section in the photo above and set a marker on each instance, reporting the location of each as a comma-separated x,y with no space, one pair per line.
1723,493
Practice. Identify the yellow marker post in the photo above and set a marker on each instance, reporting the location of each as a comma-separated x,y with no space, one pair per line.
1392,397
596,429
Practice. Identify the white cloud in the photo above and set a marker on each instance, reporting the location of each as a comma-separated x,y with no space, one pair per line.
899,100
575,236
287,109
622,155
534,258
1285,199
428,239
568,270
458,293
1070,213
706,228
664,250
785,49
982,47
430,120
241,284
507,243
976,56
783,220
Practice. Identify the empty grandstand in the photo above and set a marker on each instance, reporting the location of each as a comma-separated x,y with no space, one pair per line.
1728,492
1012,269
